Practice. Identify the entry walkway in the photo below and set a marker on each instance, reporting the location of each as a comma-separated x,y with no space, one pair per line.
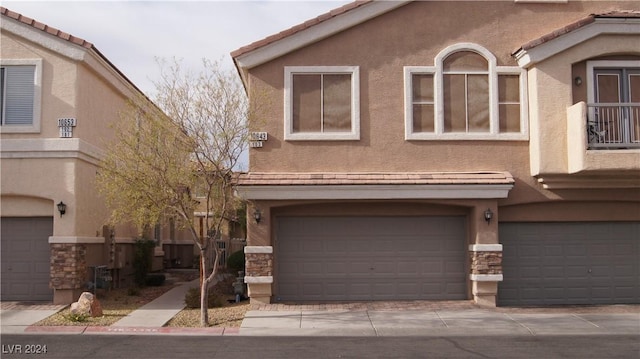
159,311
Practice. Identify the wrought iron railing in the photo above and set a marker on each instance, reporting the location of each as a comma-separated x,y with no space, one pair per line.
613,125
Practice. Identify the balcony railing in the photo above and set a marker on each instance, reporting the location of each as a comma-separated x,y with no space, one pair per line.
613,125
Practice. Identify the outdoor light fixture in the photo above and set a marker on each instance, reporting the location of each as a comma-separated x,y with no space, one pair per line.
488,215
577,81
257,215
62,208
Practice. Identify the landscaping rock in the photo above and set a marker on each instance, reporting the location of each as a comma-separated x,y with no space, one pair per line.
88,305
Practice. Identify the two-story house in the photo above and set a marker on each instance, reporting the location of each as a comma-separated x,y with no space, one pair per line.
447,150
58,98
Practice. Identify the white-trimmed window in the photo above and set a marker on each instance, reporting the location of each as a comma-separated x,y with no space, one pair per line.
322,103
20,88
465,96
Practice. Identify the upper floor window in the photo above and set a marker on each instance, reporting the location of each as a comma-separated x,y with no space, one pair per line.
322,103
614,104
20,95
465,96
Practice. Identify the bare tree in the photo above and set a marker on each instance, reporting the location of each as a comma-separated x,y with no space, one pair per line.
177,158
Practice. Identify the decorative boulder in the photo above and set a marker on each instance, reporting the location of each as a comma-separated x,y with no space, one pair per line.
88,305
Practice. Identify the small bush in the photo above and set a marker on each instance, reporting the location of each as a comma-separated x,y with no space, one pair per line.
192,299
236,261
76,318
155,280
142,258
133,291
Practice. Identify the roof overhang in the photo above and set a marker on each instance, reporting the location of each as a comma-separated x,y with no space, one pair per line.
66,45
572,35
374,186
305,34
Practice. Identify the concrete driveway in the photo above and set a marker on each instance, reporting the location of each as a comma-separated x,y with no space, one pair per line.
437,319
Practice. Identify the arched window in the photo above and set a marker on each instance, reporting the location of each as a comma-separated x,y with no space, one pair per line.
465,85
465,96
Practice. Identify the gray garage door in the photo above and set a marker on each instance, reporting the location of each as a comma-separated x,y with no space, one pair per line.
570,263
25,258
371,258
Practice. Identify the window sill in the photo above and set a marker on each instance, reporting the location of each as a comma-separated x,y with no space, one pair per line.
19,129
466,137
322,136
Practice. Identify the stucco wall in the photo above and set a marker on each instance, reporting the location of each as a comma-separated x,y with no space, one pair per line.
59,75
412,36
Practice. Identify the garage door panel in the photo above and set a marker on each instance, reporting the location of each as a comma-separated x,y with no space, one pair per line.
385,258
594,263
26,258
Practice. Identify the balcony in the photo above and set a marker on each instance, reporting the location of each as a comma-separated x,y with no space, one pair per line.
613,126
604,140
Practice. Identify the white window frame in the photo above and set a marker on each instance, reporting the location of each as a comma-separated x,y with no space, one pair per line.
37,96
354,134
494,115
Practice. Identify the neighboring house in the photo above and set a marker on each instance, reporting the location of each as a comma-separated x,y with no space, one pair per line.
59,97
447,150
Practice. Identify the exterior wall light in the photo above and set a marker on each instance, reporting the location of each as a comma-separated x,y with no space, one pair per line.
257,215
488,215
577,81
62,208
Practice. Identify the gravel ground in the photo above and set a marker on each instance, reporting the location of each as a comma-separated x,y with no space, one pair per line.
118,303
228,316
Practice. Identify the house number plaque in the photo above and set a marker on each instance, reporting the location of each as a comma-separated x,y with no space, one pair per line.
257,138
66,125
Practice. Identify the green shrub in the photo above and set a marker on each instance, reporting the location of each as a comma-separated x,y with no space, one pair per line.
142,257
155,280
76,318
192,299
236,261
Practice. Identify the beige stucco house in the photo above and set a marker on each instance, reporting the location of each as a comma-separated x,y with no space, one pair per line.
447,150
59,97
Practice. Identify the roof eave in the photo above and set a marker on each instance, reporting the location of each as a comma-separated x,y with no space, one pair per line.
246,59
538,51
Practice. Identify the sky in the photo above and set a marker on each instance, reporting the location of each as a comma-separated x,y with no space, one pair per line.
133,34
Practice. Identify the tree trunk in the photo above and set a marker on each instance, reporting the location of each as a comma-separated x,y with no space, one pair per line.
204,291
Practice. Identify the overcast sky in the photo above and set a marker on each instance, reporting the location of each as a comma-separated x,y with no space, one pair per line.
131,34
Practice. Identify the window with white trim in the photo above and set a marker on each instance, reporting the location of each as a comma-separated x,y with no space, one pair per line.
465,96
322,103
20,95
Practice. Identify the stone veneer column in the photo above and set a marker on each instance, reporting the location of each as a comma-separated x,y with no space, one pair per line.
259,273
486,272
68,271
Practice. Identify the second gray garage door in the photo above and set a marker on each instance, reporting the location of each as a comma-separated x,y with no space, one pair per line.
570,263
371,258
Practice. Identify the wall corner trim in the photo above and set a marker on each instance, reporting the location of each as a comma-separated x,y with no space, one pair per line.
485,248
258,249
258,279
74,239
486,277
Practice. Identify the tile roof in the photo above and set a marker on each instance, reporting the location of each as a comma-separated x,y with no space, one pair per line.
45,28
298,28
373,178
64,36
619,14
